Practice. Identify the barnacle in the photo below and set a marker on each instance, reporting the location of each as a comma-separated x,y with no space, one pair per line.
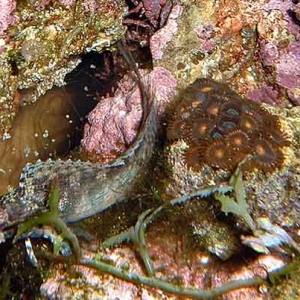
221,129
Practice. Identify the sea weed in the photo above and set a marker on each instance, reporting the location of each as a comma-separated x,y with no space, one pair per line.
137,234
52,217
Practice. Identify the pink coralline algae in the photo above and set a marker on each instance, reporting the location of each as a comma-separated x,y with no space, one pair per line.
288,69
114,123
89,281
6,18
205,32
67,2
170,262
269,53
280,55
287,7
41,4
163,36
90,5
265,94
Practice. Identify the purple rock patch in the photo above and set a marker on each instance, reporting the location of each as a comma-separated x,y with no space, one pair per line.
288,69
265,94
269,53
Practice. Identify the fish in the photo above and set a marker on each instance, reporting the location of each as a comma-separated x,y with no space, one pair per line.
52,124
85,188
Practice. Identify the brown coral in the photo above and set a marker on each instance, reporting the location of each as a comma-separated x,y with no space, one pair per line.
266,155
249,123
212,106
199,129
225,128
238,139
175,129
217,153
192,157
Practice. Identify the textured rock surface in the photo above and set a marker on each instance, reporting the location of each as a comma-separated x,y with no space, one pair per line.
45,42
249,44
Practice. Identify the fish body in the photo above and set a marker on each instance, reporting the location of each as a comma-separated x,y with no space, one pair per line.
85,188
52,125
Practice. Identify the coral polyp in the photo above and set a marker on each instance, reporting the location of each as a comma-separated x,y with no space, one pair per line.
199,129
265,155
175,129
212,106
216,154
249,123
192,157
232,110
224,128
238,139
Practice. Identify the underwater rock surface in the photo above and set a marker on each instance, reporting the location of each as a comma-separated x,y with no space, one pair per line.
45,42
246,45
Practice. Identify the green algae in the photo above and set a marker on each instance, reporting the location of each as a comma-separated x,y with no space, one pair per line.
240,206
52,217
136,234
171,288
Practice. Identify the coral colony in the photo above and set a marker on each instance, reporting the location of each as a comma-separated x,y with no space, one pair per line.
221,129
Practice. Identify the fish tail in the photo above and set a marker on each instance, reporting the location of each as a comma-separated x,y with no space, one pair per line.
142,147
146,93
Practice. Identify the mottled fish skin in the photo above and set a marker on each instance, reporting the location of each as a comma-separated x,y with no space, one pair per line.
85,188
